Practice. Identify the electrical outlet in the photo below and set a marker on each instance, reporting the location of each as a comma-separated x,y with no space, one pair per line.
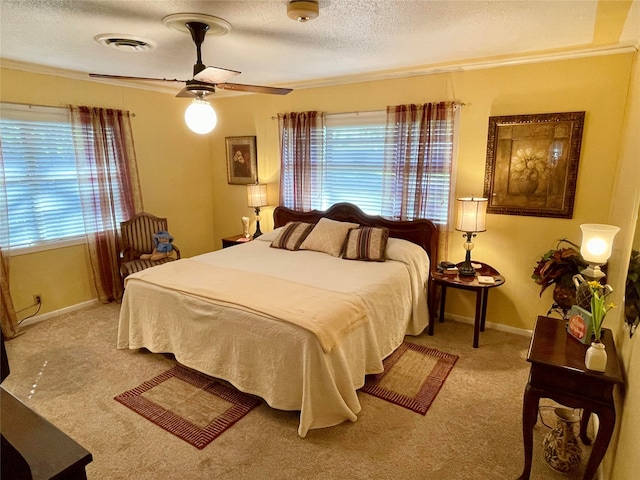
37,299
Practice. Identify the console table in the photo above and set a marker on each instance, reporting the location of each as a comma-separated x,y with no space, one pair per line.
558,372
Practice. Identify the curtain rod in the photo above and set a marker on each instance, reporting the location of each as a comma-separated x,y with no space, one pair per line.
455,105
44,106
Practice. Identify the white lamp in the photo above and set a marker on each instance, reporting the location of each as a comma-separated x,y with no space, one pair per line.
257,197
200,116
597,242
471,219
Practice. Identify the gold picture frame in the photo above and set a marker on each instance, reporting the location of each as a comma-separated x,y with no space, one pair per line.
532,164
242,161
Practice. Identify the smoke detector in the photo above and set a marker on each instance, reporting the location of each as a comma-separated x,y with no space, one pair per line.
303,11
124,42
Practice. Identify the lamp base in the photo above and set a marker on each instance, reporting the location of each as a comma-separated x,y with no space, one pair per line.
466,269
593,272
258,232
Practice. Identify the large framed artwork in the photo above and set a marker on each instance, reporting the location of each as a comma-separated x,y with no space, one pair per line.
532,164
242,163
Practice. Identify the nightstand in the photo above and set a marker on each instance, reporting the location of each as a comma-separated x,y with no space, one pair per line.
235,240
453,280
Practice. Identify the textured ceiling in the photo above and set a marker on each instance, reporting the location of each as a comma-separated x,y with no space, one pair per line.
350,39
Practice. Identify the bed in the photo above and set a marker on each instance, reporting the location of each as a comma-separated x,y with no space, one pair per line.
299,328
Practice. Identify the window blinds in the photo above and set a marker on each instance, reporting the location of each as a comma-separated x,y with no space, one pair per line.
41,176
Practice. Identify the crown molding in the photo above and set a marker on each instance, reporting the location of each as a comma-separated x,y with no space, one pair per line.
494,62
470,65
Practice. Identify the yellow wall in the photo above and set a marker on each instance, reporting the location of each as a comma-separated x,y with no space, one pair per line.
621,461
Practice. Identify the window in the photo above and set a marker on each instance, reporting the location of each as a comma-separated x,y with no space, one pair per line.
350,163
41,176
354,156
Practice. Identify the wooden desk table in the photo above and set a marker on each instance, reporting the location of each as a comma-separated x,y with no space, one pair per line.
444,280
558,372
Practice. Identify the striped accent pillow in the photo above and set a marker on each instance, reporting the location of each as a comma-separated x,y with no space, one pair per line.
292,235
366,243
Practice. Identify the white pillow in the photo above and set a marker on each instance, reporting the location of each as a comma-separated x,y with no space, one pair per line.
328,236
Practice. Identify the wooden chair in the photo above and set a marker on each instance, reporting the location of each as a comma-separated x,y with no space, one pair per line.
137,239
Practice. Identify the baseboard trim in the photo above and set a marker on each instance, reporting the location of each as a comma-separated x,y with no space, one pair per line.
55,313
496,326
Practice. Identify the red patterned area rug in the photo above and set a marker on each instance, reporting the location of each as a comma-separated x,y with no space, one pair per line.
188,404
412,377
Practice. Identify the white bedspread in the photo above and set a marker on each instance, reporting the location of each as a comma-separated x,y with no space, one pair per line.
277,360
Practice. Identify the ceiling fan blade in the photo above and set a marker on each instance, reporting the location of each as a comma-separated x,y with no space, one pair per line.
125,77
215,75
254,88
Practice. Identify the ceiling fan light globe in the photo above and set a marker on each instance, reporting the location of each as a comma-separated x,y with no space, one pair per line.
200,117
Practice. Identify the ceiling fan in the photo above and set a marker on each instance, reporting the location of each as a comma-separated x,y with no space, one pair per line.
205,79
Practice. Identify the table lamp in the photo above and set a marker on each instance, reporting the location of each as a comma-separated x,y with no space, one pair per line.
470,219
256,198
597,241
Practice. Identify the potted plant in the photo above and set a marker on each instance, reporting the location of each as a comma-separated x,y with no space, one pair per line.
557,267
632,292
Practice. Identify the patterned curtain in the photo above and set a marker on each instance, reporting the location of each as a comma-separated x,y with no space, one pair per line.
108,179
417,164
301,158
8,318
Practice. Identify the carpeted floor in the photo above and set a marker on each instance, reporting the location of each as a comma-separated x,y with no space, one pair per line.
68,370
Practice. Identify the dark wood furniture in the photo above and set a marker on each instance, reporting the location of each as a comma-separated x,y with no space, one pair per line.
234,240
558,372
48,452
422,232
453,280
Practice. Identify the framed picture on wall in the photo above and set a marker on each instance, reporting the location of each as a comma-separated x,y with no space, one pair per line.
242,162
532,164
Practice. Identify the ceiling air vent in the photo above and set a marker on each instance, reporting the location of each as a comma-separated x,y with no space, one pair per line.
124,43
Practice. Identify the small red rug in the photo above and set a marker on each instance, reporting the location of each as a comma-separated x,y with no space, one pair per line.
412,377
190,405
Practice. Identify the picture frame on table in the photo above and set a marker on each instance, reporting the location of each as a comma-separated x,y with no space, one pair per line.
532,164
242,160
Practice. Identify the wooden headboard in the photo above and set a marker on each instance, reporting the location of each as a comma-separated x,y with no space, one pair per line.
421,232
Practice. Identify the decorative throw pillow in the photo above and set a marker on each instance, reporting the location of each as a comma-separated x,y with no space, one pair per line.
292,235
366,243
328,236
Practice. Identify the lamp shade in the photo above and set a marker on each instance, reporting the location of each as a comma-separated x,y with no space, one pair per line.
257,195
597,242
200,117
471,214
